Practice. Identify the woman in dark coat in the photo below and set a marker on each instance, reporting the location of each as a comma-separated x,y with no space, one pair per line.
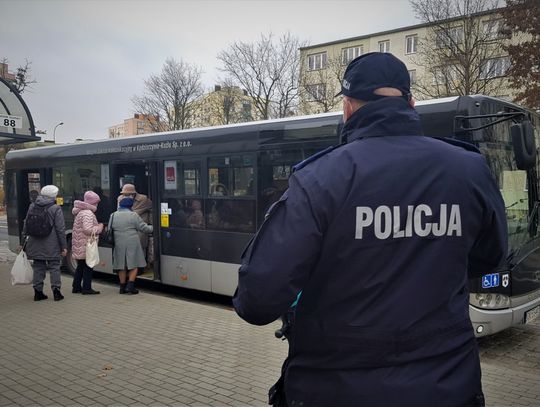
128,254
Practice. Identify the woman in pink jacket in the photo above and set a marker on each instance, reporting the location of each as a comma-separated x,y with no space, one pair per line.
84,224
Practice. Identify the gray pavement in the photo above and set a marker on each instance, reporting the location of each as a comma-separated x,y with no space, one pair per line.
157,350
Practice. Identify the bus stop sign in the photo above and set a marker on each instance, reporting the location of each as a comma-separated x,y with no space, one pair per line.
16,124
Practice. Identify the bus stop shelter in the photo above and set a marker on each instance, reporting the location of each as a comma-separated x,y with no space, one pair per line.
16,124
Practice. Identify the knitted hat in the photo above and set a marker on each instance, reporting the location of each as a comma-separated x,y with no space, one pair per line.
90,197
49,191
128,189
126,203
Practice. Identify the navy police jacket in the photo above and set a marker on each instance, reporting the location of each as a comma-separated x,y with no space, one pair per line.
380,236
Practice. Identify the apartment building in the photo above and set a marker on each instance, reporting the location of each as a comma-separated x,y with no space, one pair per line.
138,124
5,74
223,105
421,47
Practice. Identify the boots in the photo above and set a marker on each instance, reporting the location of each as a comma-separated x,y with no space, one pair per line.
38,295
57,294
90,292
130,288
122,288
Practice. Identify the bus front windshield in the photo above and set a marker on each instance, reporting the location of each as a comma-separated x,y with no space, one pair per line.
513,185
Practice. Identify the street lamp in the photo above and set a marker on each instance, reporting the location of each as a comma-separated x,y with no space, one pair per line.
54,131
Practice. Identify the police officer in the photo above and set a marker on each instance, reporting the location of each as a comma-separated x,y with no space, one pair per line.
379,236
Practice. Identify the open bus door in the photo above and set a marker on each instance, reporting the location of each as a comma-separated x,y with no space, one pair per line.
142,174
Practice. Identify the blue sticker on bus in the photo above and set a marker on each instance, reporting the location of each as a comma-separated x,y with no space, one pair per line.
490,280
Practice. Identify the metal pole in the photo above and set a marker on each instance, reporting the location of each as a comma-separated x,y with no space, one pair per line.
54,131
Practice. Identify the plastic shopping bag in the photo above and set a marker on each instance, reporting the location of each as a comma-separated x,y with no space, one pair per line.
92,251
21,272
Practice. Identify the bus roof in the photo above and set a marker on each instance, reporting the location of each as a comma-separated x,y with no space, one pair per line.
437,119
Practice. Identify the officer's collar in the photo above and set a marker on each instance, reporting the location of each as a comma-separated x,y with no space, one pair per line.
390,116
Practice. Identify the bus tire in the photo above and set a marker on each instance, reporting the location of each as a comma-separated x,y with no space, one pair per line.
69,264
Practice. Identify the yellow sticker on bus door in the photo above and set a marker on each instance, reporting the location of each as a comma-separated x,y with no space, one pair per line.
164,220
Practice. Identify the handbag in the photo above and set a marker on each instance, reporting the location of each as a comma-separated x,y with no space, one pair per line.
22,272
109,234
92,251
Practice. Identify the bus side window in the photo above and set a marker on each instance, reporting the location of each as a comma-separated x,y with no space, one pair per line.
231,184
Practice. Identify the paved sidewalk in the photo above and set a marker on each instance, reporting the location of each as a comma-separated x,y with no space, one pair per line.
155,350
113,349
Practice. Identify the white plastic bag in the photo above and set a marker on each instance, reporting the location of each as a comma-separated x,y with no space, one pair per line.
21,272
92,251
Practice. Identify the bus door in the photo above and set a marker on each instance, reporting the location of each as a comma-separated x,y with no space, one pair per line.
29,184
143,175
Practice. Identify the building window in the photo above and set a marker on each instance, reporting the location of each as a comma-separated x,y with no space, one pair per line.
317,61
495,67
348,54
449,37
411,44
316,92
412,76
494,29
140,127
246,110
384,46
445,75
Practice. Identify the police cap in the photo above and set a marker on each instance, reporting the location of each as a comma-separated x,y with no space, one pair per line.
372,71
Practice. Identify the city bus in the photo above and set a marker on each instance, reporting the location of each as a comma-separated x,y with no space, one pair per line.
211,187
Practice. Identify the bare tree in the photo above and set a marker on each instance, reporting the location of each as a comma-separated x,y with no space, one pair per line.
461,53
268,70
319,88
22,79
168,97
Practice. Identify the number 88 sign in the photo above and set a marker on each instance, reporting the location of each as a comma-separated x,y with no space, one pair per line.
15,122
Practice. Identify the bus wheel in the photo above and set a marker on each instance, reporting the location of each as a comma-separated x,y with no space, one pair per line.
70,264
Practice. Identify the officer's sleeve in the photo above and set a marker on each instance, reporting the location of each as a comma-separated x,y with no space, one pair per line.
491,245
278,261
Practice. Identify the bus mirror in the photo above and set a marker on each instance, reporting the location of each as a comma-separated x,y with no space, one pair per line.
524,144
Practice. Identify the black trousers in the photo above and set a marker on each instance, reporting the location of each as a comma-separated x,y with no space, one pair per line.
82,273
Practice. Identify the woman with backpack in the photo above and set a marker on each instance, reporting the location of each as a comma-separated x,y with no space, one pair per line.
44,229
85,225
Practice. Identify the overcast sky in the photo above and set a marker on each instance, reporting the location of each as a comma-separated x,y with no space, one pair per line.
90,57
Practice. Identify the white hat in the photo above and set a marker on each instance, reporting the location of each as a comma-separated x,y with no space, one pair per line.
49,190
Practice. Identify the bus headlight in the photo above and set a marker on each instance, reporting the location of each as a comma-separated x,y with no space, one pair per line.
489,300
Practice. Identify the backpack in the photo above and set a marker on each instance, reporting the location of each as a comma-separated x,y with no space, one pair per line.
38,222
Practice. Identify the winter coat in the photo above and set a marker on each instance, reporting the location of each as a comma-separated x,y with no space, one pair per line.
49,247
142,206
128,253
84,224
380,236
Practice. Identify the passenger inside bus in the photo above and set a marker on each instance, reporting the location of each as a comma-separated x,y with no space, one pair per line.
178,217
195,219
218,190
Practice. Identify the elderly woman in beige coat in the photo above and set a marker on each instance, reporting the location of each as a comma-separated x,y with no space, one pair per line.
128,254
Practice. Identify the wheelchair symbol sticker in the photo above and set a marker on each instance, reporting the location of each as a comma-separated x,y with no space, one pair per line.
490,280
